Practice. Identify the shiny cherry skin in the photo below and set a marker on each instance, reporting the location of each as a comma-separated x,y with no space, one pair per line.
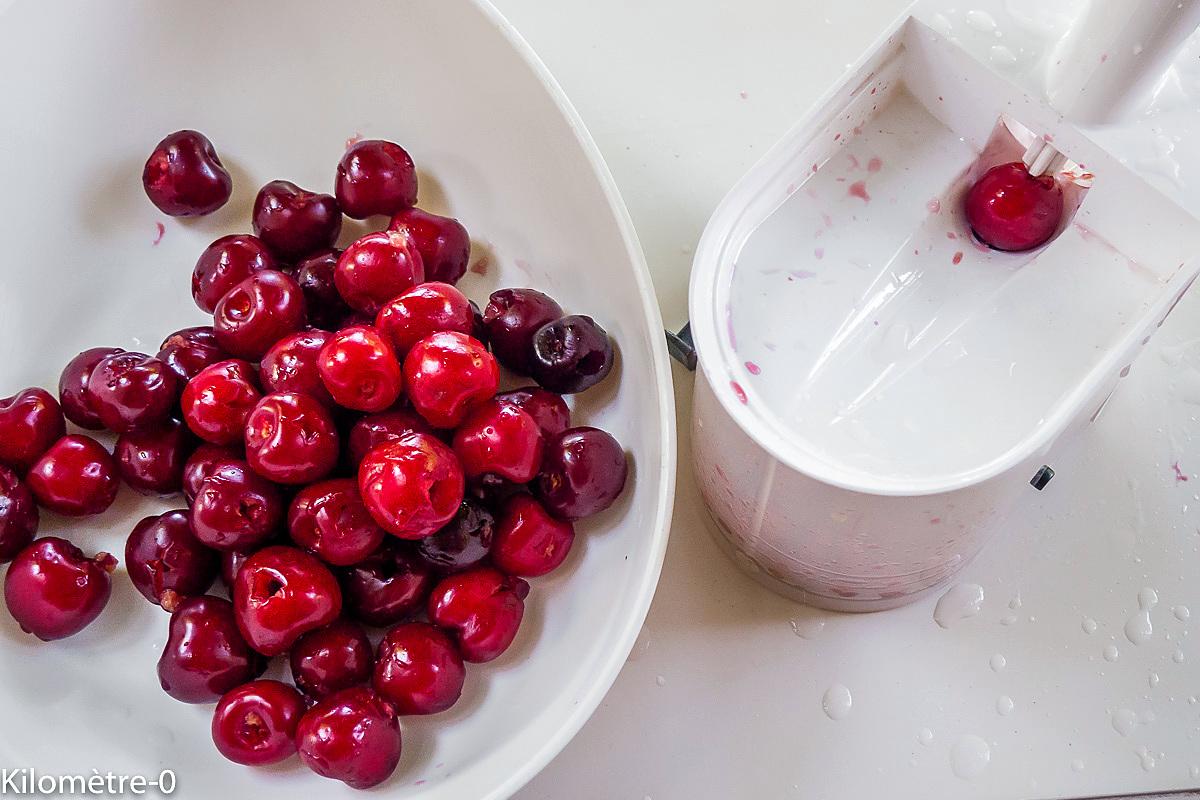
411,486
377,267
332,658
235,508
258,312
218,401
463,542
388,586
18,515
1009,209
529,541
583,472
512,317
280,594
54,591
571,354
151,460
359,368
203,461
30,422
549,410
375,429
294,222
76,477
224,264
329,520
447,375
481,608
375,177
421,311
184,177
205,655
418,669
72,387
315,274
352,736
291,439
231,564
166,562
187,351
499,439
132,390
291,365
444,244
256,723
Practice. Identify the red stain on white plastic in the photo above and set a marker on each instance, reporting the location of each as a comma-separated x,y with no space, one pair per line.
819,253
815,167
857,130
1103,57
1179,476
859,189
739,391
801,274
854,164
837,136
481,266
158,226
753,369
875,164
729,327
935,521
951,235
958,257
827,221
353,140
1049,137
934,206
742,94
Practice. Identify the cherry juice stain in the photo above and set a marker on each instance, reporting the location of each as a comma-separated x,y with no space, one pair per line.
158,226
951,235
753,369
353,140
481,266
859,189
739,391
1179,476
958,257
875,164
819,253
934,206
854,164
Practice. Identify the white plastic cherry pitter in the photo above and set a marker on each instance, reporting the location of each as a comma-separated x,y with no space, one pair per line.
876,388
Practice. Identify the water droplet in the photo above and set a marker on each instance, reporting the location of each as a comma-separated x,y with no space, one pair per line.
969,756
981,21
1126,720
1001,56
1077,765
1149,762
1111,653
1008,619
1181,613
1153,680
1194,772
960,602
1004,705
660,680
1177,656
925,736
1088,625
1138,628
997,662
836,702
809,628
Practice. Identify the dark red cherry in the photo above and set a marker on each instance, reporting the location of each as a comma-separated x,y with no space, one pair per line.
231,565
375,268
352,736
257,313
418,669
571,354
184,177
291,365
447,375
423,310
256,722
54,591
529,541
235,508
499,439
332,658
329,520
1009,209
72,387
187,351
218,401
463,542
481,608
375,177
18,515
388,586
315,274
548,409
359,368
444,244
512,317
151,460
30,422
205,655
280,594
203,461
386,426
132,390
583,472
295,222
76,477
166,562
224,264
291,439
411,486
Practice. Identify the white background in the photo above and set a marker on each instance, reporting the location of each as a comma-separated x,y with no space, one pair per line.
721,699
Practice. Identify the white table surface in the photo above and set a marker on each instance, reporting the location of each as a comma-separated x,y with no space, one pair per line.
721,698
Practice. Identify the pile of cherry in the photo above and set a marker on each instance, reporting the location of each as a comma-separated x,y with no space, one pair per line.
346,457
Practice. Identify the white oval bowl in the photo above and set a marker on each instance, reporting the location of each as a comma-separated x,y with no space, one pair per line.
279,87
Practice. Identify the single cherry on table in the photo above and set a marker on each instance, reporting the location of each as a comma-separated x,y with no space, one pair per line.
352,736
205,655
1009,209
184,176
418,669
256,722
54,591
76,477
375,177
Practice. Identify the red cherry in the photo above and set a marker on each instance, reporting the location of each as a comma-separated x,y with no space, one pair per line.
184,177
388,586
329,520
236,509
481,608
258,312
30,422
132,390
224,264
421,311
360,370
218,401
583,473
447,375
166,562
352,736
231,565
291,439
375,177
54,591
375,429
187,351
419,670
315,274
291,365
499,439
203,461
72,388
151,461
295,222
281,593
548,409
377,267
512,317
332,658
411,486
256,722
205,654
1009,209
444,244
76,477
18,515
530,542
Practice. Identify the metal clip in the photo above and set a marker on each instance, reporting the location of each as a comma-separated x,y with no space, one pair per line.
681,347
